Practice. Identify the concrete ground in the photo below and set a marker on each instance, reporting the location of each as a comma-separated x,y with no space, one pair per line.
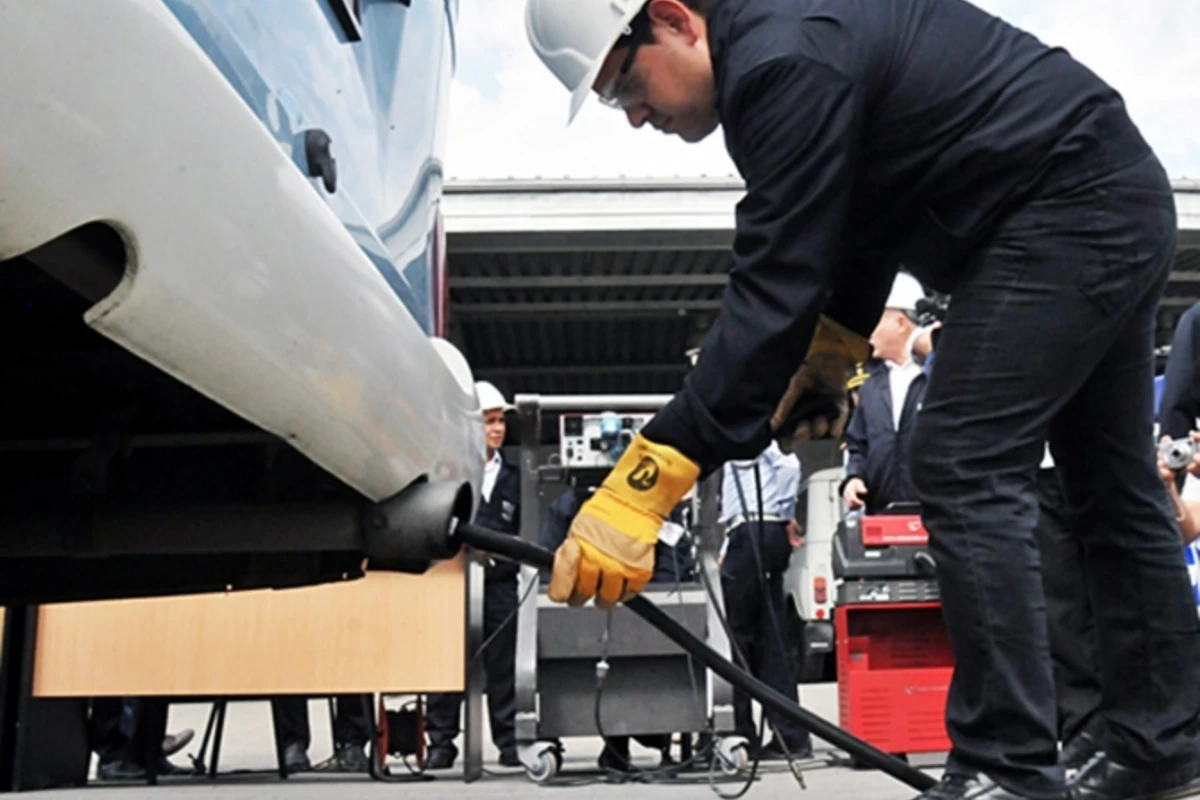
248,758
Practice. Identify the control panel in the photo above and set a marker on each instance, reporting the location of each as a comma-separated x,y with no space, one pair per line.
596,440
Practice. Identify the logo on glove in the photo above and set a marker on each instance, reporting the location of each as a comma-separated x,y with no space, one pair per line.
644,475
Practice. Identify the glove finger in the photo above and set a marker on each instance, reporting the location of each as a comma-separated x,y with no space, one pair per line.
565,572
839,425
612,588
586,584
795,387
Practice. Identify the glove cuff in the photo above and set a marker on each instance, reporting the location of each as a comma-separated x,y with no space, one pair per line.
651,477
834,338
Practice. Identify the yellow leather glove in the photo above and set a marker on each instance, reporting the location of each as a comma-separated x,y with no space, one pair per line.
815,404
609,551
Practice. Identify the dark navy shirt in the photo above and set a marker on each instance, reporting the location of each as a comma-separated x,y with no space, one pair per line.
870,133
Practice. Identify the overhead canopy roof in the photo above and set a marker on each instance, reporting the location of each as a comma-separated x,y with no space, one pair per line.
570,286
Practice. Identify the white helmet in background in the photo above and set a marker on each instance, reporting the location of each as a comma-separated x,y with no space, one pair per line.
906,291
490,397
573,37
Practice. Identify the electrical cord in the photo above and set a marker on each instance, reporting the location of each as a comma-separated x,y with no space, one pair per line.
668,773
664,772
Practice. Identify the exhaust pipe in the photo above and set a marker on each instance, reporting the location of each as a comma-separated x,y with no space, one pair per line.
407,532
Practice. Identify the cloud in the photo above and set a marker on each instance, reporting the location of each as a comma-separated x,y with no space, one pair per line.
508,114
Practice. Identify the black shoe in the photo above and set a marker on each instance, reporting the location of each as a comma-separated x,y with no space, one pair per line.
508,757
1104,779
165,767
295,758
174,742
962,787
120,771
1076,752
952,786
773,751
347,757
441,758
613,760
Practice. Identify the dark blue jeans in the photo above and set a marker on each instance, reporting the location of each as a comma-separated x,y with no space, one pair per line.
1050,335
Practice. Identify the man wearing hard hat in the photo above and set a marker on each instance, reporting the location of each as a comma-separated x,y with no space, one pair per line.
499,510
999,170
879,435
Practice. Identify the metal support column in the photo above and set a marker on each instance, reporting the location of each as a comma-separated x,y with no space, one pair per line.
529,409
475,676
710,538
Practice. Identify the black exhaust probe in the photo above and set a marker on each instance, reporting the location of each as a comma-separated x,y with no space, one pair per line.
524,552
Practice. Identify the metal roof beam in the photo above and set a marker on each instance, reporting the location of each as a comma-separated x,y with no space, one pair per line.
517,282
558,241
586,308
548,371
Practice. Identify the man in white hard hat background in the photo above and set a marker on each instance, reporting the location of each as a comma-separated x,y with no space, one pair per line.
1001,171
499,510
880,432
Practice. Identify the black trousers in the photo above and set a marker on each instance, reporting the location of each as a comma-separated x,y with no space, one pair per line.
351,720
1069,619
443,710
754,607
128,729
1050,334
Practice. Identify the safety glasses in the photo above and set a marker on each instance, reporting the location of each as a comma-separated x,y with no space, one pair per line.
625,90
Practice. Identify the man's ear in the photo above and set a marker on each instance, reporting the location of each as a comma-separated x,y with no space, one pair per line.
672,15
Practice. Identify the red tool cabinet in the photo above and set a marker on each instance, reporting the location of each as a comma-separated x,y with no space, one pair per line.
893,668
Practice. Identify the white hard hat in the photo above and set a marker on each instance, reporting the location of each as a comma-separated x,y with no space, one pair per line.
490,397
573,37
906,291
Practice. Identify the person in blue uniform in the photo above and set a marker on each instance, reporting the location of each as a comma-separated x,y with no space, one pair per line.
758,547
499,510
879,433
1000,170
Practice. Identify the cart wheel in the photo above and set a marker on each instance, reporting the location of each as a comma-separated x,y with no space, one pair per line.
732,755
547,766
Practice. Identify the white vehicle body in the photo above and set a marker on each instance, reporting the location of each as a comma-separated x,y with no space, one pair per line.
241,282
809,580
243,279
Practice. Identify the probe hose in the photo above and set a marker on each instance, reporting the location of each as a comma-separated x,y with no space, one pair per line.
530,554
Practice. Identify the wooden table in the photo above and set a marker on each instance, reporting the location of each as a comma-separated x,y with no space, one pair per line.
387,632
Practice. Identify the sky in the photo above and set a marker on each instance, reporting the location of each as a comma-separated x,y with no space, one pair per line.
508,113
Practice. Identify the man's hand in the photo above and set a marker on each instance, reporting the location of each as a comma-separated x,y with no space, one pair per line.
795,539
923,343
1167,474
854,492
609,551
815,405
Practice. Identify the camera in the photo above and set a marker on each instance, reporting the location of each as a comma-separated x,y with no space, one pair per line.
932,309
1178,454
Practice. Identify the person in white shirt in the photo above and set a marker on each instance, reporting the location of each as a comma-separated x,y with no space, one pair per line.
499,510
758,547
877,471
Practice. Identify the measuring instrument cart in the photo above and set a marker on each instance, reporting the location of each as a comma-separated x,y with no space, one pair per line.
651,685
